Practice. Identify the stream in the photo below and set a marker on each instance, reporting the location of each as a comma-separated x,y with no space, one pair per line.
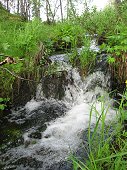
54,123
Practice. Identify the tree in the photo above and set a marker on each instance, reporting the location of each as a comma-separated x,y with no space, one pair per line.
51,10
36,8
71,9
61,10
117,2
7,6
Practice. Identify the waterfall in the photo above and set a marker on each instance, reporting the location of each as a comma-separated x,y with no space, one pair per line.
53,126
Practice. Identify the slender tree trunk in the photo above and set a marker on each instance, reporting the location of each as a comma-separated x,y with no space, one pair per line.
22,7
50,11
47,12
18,4
7,5
117,2
36,8
39,6
61,10
28,13
67,9
72,8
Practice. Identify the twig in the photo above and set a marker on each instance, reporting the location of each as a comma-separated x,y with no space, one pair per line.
121,95
9,60
15,75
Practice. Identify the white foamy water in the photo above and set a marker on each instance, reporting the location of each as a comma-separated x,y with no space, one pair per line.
64,134
32,105
74,91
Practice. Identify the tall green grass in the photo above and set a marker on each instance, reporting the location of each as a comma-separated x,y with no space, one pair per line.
107,143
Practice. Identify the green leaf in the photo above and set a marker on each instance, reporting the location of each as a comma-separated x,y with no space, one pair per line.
2,106
67,39
118,53
111,60
1,99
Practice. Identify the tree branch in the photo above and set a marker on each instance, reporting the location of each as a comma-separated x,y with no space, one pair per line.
15,75
8,60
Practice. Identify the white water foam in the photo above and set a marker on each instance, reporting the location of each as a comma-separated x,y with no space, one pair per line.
32,105
63,135
65,132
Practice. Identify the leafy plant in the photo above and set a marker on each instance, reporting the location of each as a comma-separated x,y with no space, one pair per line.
3,102
85,58
97,22
110,60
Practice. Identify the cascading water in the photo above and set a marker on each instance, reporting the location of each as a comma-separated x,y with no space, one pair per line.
53,125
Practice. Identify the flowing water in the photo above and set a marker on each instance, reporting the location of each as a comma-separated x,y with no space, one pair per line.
53,123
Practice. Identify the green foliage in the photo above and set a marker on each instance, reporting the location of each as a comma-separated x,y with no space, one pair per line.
21,41
116,45
85,59
87,56
118,42
110,60
97,22
68,32
3,102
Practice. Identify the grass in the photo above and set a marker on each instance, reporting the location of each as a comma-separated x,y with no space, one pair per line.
5,15
107,144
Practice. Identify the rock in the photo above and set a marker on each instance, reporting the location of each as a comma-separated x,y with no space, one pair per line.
53,85
48,110
35,135
26,143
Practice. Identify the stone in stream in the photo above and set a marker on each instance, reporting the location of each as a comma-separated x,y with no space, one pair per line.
35,135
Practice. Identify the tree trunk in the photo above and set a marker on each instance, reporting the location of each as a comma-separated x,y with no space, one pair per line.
47,12
7,5
50,13
22,7
67,9
61,10
18,4
72,8
36,8
117,2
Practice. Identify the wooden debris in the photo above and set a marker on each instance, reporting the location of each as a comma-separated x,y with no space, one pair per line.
9,60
